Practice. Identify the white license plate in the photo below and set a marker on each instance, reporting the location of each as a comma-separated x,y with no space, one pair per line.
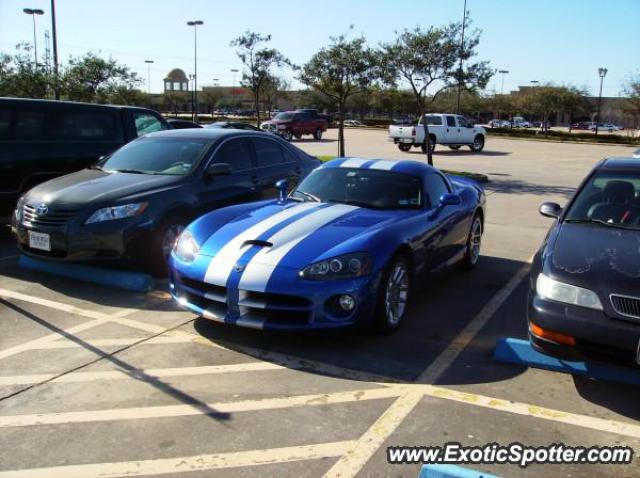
403,140
39,240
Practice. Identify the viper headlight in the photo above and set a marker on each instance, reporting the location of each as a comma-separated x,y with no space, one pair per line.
548,288
117,212
186,248
347,266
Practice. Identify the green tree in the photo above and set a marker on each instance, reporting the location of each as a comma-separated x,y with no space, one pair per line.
20,77
274,88
339,71
631,90
427,60
258,61
95,79
546,99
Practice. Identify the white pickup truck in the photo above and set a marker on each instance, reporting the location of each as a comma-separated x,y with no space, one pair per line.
448,129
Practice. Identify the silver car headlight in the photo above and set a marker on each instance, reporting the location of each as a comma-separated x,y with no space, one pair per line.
548,288
18,211
186,248
347,266
117,212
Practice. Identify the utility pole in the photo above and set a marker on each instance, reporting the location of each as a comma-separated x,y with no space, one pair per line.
55,50
464,24
195,24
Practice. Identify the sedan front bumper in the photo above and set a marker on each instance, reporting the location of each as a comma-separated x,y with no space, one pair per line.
596,334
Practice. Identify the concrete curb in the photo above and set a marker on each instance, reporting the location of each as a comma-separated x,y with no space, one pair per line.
521,352
132,281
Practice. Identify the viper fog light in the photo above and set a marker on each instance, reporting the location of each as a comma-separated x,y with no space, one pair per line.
548,288
347,302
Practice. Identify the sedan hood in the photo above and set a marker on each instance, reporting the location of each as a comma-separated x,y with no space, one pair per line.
91,186
596,257
290,235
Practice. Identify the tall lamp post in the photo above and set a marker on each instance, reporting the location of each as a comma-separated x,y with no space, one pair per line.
55,49
33,12
602,72
149,62
193,79
233,89
194,24
464,21
502,72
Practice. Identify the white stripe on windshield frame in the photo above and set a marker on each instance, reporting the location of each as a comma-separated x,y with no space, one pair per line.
354,163
260,268
223,262
384,165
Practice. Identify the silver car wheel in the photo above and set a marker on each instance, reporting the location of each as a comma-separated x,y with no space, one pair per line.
396,294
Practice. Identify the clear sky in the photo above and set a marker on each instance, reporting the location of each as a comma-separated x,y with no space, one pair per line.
561,41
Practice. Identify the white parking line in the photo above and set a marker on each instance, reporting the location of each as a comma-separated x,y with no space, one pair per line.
167,411
182,464
142,374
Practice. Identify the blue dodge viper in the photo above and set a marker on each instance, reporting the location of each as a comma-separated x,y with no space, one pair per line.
343,248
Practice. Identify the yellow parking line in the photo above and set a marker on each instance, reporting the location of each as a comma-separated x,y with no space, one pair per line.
142,374
359,453
464,338
67,344
182,464
166,411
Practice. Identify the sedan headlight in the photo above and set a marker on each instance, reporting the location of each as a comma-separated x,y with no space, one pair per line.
548,288
186,248
347,266
117,212
18,211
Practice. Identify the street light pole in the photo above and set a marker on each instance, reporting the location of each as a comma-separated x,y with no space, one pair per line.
503,72
195,24
33,12
464,22
602,72
149,62
233,89
193,79
55,49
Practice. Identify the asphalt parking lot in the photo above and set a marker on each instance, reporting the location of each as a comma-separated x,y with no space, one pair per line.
100,382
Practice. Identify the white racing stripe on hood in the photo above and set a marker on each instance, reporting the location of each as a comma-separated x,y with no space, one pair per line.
383,165
353,163
257,273
222,264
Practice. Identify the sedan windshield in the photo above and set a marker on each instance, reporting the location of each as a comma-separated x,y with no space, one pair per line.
608,199
156,156
361,187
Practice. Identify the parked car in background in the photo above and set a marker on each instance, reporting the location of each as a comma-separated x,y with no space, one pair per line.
451,130
295,124
498,123
636,153
42,139
182,124
584,296
521,124
232,125
609,127
343,249
133,204
582,125
353,123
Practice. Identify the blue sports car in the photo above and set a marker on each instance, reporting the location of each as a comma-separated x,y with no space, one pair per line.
343,248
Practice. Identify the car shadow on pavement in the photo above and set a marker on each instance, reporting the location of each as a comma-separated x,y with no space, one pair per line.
516,186
459,153
440,308
618,397
313,140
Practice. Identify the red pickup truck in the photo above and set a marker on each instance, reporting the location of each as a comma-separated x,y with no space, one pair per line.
290,124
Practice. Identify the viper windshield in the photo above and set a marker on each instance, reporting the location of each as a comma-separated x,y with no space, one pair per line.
608,199
368,188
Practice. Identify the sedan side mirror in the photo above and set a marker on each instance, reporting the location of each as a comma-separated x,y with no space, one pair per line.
219,169
450,199
283,187
550,209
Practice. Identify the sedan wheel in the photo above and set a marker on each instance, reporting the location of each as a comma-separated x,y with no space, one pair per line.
169,239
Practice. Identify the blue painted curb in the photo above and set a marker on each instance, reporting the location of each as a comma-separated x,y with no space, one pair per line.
133,281
451,471
522,353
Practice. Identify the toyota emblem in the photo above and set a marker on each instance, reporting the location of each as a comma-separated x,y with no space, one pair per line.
42,209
